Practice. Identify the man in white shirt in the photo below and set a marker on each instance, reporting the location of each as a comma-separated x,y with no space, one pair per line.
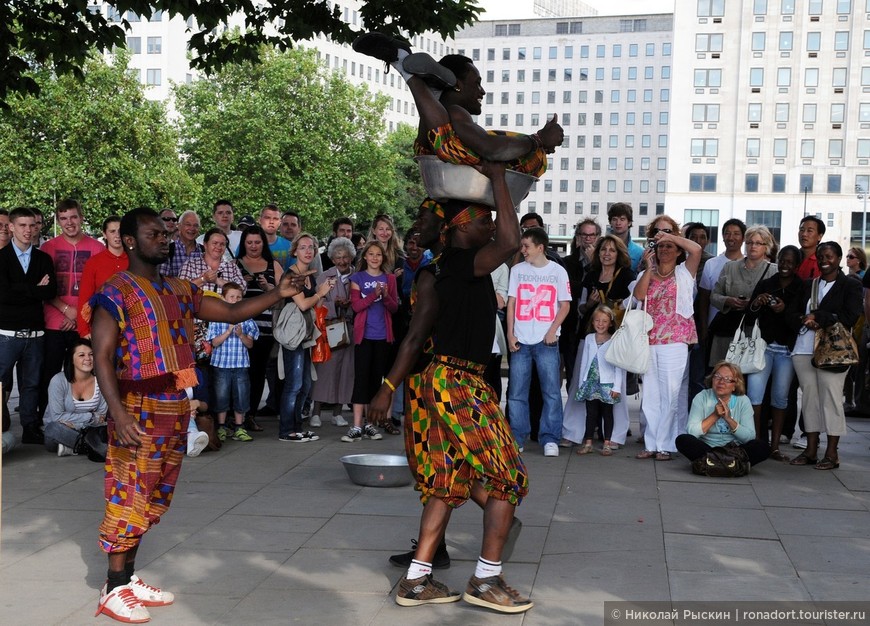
539,297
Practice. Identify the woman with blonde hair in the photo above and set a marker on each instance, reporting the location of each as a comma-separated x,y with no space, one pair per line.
722,415
737,282
384,232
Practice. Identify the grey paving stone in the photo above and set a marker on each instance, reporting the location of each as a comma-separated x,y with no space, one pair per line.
718,494
716,521
604,541
570,579
688,586
818,553
789,521
727,555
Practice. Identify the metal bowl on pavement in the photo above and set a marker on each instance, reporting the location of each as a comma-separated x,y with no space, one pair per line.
447,181
377,470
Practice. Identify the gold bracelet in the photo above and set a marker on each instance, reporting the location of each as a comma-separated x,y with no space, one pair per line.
389,384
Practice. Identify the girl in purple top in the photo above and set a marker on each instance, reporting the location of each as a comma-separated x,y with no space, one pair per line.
374,298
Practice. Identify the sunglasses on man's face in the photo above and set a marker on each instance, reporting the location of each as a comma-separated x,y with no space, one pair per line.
169,219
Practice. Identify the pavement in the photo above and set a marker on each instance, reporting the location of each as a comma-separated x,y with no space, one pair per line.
269,532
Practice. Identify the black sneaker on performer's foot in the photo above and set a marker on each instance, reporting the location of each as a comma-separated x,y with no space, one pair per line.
494,593
424,590
441,560
380,46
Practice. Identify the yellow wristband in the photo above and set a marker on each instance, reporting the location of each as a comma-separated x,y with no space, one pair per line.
389,384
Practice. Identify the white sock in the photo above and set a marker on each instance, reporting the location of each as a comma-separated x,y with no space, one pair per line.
418,569
485,568
397,64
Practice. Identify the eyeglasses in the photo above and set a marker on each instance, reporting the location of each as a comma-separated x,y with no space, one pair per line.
851,256
169,219
654,231
587,235
724,379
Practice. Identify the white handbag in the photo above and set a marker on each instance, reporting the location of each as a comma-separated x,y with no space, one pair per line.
747,352
629,346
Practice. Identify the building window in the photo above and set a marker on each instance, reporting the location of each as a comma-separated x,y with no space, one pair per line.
751,183
563,210
132,16
806,183
815,7
839,77
787,7
753,147
708,78
781,112
808,149
709,42
753,113
777,183
705,112
810,114
711,8
759,7
134,45
153,77
786,41
864,148
834,181
578,208
548,207
705,148
838,113
770,219
758,41
811,77
844,7
780,148
756,77
783,77
561,28
554,52
155,45
814,42
835,148
702,182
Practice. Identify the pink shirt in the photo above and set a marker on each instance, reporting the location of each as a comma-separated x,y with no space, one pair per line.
668,325
69,263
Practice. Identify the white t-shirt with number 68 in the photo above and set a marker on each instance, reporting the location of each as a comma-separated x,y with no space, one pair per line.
538,292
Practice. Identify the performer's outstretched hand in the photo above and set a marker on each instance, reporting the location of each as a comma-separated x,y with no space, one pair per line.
552,134
291,283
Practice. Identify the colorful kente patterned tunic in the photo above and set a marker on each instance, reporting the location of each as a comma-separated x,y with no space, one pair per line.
447,146
154,364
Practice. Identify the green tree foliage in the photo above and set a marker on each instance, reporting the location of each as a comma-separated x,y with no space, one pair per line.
409,188
60,33
97,139
290,132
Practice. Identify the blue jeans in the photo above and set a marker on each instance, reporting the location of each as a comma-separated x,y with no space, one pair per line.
56,433
28,354
231,382
777,363
546,360
297,384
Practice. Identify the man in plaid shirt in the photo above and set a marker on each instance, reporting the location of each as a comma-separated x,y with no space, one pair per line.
184,247
230,363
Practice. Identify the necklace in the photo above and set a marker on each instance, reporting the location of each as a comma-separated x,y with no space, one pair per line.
663,276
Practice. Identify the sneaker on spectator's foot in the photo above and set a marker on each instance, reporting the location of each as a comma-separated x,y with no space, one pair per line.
63,450
494,593
800,443
566,443
223,433
294,438
511,541
312,436
314,421
784,439
148,595
551,449
441,560
122,604
372,433
353,434
241,435
338,420
197,444
424,590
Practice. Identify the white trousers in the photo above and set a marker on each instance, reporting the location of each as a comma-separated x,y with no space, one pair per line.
662,386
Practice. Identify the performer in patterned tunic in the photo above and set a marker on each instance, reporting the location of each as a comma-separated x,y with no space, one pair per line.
143,329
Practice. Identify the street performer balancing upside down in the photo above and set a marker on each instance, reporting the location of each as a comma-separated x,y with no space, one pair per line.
143,327
447,93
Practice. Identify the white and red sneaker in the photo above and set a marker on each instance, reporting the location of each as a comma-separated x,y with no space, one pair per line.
148,595
123,605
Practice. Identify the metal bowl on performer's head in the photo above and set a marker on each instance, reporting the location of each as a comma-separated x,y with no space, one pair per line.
377,470
447,181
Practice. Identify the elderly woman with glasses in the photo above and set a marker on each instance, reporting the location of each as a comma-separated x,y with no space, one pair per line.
733,291
722,415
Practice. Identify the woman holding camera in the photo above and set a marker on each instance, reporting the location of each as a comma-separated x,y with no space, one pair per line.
668,286
776,304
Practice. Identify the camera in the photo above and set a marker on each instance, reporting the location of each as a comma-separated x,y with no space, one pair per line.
651,244
772,302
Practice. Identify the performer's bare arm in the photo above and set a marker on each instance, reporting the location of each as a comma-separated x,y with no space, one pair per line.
216,310
501,147
507,227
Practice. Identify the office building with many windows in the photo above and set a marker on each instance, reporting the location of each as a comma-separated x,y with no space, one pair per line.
608,80
773,103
